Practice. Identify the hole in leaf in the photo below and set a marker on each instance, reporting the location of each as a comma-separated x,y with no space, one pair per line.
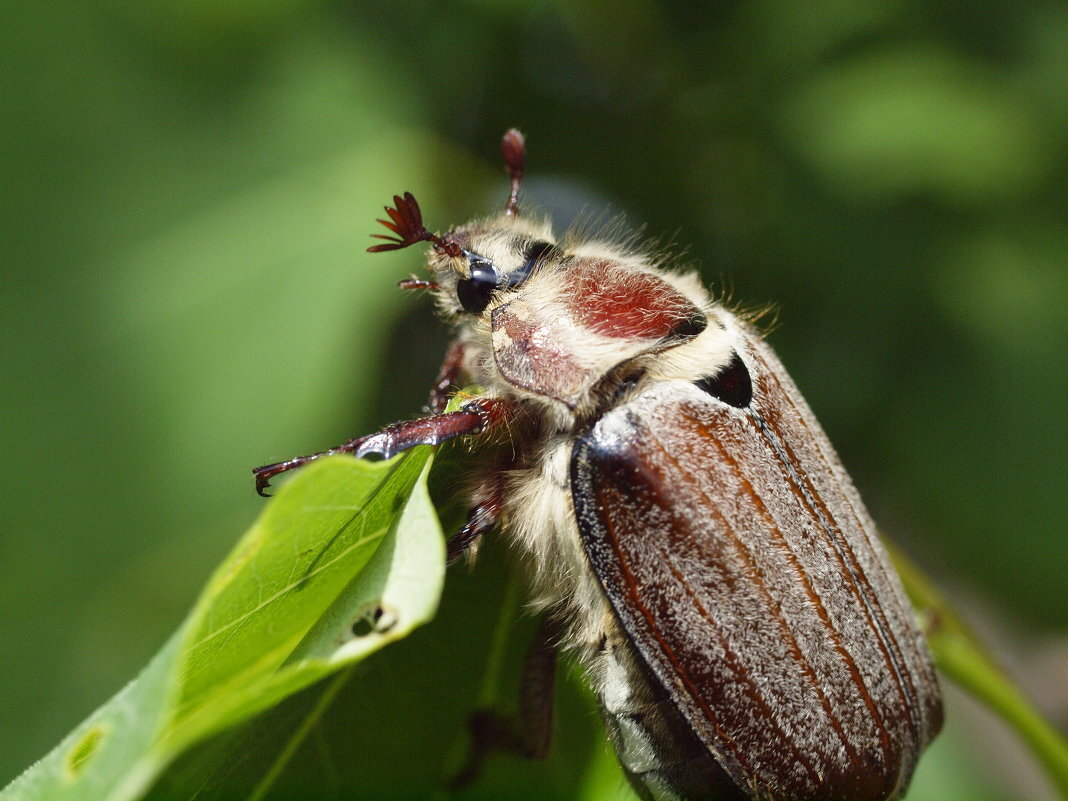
385,619
84,750
376,619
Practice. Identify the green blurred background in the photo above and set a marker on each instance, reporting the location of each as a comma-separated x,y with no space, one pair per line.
188,190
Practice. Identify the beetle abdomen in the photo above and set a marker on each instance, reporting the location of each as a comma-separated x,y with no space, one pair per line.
659,752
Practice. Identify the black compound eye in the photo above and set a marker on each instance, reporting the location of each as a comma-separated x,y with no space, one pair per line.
534,253
732,384
474,293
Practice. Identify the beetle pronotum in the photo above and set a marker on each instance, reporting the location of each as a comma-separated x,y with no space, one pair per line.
691,534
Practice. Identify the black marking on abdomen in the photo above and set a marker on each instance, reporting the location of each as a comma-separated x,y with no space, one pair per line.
661,755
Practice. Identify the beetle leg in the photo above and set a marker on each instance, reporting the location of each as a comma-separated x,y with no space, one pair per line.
529,734
478,523
480,520
447,376
475,417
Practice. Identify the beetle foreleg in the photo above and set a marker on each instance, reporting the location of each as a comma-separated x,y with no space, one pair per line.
474,417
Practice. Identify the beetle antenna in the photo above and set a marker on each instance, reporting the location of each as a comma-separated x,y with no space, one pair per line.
406,221
514,150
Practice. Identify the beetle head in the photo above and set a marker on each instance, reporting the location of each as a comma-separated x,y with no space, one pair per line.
475,263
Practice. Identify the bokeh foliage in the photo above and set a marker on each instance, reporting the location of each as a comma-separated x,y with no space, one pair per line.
187,190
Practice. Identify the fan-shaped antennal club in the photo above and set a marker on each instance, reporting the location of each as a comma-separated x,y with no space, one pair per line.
406,222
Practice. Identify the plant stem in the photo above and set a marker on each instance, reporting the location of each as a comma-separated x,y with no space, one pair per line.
307,726
961,657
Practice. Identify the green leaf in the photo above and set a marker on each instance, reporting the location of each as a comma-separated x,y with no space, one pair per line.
347,558
397,728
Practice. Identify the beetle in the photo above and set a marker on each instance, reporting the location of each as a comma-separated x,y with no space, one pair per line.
691,534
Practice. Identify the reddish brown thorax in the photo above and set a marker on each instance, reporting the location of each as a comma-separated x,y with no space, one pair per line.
621,303
556,346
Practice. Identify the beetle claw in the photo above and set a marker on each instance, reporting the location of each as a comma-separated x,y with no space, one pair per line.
263,480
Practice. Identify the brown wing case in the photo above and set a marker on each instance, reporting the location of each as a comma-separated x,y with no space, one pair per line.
746,571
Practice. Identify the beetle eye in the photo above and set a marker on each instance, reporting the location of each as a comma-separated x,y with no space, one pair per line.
474,293
534,253
732,384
